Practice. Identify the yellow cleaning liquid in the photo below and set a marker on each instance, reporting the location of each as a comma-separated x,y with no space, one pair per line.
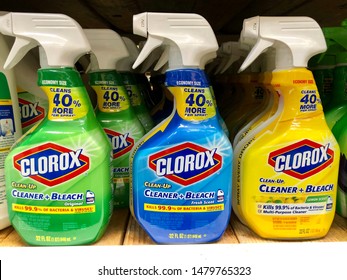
286,176
246,137
267,109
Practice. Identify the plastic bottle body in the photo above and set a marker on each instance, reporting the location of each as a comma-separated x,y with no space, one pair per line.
292,195
181,170
120,124
58,179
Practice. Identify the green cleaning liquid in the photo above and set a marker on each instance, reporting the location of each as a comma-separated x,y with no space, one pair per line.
120,123
58,179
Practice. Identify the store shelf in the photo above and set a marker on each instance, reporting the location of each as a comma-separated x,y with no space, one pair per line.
124,230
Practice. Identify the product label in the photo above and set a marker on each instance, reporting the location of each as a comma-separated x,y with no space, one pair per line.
66,104
121,143
122,137
7,138
302,159
7,124
134,95
111,98
186,163
30,112
309,101
194,103
51,164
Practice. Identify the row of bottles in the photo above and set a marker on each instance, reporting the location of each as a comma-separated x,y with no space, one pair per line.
183,148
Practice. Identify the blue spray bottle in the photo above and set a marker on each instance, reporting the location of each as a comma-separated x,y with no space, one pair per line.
181,170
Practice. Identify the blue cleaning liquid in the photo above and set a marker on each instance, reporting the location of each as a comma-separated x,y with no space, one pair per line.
181,170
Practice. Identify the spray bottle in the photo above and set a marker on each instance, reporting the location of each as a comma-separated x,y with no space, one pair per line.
58,179
10,126
337,43
288,168
181,170
130,82
114,111
337,115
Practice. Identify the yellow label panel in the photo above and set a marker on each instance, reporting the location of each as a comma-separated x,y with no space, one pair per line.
65,103
53,210
183,208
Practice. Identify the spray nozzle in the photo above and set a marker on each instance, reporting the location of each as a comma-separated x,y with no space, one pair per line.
154,57
107,48
233,52
125,64
302,37
60,36
190,37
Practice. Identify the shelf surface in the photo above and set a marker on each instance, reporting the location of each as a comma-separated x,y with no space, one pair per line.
124,230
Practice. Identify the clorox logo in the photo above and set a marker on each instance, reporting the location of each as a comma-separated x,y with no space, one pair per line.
186,163
302,159
30,112
121,143
51,164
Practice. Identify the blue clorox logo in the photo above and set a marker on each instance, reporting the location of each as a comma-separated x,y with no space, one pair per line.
302,159
51,164
186,163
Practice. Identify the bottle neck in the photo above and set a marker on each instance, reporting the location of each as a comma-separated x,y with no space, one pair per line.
299,93
111,94
68,99
192,93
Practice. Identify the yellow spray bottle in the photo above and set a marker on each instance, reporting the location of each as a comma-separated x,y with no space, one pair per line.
287,167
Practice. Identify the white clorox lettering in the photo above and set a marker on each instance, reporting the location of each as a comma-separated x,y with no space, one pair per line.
180,164
301,159
51,163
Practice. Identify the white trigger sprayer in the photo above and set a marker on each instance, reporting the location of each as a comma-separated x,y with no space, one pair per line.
296,39
60,36
107,48
186,48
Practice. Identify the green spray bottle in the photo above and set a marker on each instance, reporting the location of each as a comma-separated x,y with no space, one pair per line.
338,124
336,38
114,111
323,72
124,66
58,179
